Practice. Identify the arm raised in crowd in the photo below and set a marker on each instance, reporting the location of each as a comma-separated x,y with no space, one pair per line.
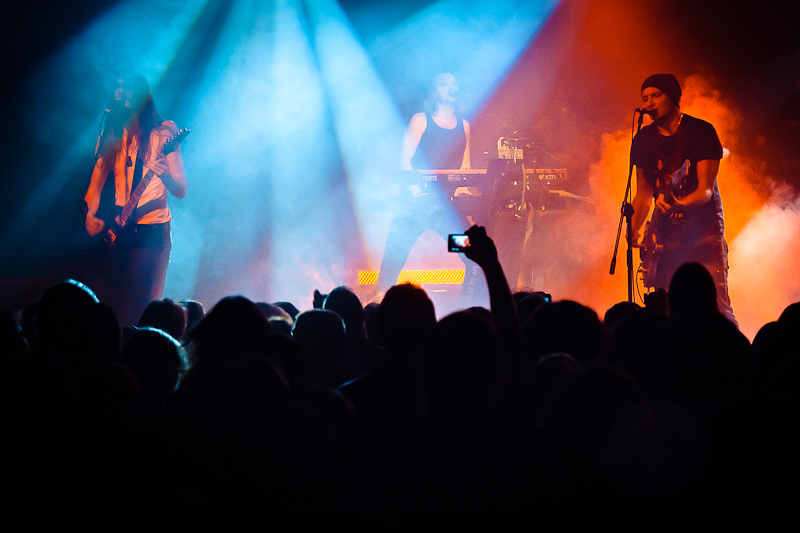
483,251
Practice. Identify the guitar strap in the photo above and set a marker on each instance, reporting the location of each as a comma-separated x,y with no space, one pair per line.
678,157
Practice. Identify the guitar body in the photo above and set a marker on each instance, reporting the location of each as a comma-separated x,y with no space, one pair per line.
116,228
656,232
650,251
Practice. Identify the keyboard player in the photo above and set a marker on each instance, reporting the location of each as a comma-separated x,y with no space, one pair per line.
436,138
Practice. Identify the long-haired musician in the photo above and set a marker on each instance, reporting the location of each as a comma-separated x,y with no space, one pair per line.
129,149
436,138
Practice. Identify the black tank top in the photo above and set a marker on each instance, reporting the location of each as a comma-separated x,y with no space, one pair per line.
440,147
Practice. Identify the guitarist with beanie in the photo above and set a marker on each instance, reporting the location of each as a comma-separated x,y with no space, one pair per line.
677,159
141,153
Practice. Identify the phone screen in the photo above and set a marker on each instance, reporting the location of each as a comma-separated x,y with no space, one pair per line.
457,242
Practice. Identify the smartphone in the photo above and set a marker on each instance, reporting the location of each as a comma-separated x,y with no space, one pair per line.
457,242
547,297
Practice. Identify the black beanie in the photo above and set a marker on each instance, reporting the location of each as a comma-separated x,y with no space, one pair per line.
666,83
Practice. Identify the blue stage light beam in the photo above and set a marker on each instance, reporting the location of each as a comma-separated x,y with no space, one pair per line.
477,40
267,159
305,164
368,127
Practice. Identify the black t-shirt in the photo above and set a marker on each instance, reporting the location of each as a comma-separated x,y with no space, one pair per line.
671,161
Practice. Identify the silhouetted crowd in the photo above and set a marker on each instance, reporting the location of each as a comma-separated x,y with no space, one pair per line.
654,417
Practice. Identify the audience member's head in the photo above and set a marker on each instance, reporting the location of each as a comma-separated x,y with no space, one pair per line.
227,329
321,334
656,301
776,342
290,308
61,303
617,312
372,320
154,358
281,350
692,292
278,318
344,302
319,326
406,317
166,315
73,325
528,303
194,313
462,362
699,358
791,316
567,327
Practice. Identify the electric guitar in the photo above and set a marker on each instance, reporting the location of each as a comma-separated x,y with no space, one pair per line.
654,241
122,219
650,252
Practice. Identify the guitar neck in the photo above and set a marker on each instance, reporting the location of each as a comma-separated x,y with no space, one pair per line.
136,195
169,147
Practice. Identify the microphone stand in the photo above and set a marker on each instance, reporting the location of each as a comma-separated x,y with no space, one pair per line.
626,213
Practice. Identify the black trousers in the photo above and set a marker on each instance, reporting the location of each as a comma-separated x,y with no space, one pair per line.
417,216
132,274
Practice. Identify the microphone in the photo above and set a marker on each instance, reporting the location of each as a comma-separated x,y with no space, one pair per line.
113,105
646,111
